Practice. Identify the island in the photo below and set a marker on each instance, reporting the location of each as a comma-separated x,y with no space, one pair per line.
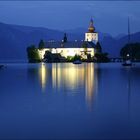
87,50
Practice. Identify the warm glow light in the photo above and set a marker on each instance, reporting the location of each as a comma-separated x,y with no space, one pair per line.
68,75
91,37
42,74
42,53
89,87
65,52
56,75
71,52
54,50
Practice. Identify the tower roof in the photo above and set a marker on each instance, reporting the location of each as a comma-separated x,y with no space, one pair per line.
91,28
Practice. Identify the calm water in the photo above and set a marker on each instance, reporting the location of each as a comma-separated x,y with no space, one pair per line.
69,101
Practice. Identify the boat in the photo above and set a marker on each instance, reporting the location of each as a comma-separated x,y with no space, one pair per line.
77,62
128,59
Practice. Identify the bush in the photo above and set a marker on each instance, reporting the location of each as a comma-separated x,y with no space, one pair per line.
33,54
101,57
76,57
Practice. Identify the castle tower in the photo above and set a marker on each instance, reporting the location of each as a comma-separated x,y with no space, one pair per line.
65,38
91,35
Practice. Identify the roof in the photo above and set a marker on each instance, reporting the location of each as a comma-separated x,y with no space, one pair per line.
69,44
91,28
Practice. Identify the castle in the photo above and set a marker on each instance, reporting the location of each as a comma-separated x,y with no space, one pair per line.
91,35
71,48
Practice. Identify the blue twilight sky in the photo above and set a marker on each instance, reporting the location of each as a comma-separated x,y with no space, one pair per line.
109,16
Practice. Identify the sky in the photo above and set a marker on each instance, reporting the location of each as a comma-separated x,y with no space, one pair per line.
108,16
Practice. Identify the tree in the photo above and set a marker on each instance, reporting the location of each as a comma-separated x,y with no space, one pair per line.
48,56
76,57
132,49
89,57
98,48
33,54
101,57
41,45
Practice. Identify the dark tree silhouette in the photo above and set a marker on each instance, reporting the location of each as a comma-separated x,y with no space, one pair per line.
132,49
48,56
33,54
76,57
101,57
98,48
41,45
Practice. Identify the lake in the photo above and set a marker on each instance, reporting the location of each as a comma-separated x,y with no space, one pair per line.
67,101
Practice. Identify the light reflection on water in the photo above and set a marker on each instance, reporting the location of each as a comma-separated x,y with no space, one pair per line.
71,77
70,101
42,75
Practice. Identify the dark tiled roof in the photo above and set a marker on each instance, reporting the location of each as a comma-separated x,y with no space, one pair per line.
69,44
91,44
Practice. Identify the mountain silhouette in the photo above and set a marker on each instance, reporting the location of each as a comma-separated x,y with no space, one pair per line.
14,39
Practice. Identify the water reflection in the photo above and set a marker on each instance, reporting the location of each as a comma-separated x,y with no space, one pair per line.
68,78
43,75
89,83
56,72
110,90
67,75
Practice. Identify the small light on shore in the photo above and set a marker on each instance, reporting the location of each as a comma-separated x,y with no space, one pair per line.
127,55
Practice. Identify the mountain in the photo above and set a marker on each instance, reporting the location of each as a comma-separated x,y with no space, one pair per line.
120,36
114,45
79,30
14,39
111,45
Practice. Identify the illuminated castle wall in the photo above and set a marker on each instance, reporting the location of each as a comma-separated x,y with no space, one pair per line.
71,48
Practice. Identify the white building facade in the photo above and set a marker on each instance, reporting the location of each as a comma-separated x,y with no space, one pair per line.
91,35
72,48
